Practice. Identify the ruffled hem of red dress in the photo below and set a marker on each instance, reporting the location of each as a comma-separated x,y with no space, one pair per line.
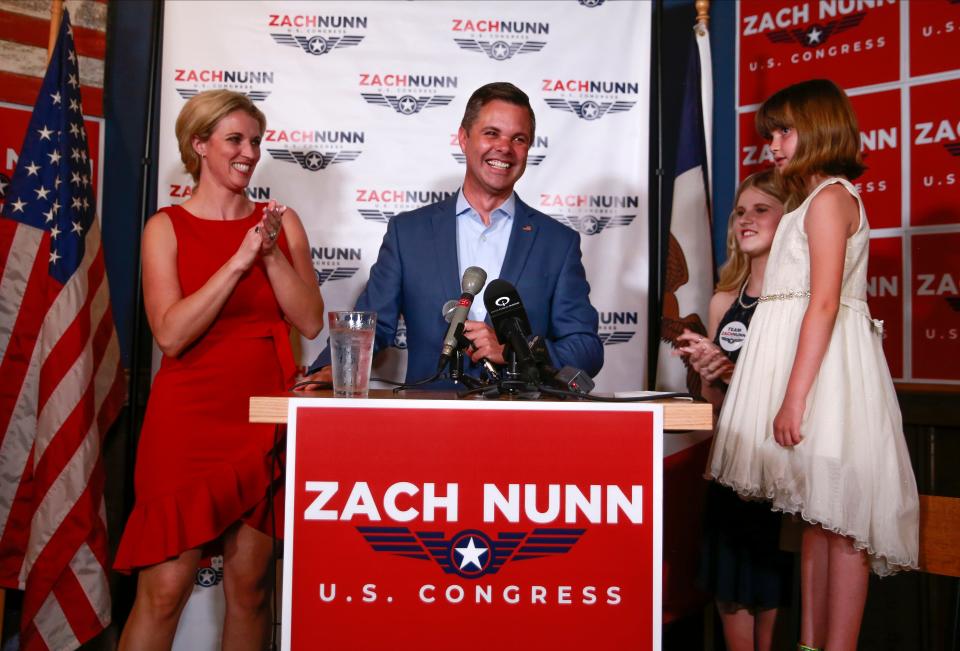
164,527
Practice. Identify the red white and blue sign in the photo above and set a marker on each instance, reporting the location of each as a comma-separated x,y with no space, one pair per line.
472,525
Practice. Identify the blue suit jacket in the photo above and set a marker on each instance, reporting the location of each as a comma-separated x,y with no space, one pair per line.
417,271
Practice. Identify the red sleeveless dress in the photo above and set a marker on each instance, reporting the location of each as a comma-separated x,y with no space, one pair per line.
201,465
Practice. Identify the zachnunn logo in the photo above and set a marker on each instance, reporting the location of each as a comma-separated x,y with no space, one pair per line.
335,263
590,214
185,191
590,99
209,572
405,93
313,149
618,327
382,204
317,35
500,39
471,553
255,84
816,34
590,4
539,145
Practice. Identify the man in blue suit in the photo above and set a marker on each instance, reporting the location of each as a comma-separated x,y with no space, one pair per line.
425,252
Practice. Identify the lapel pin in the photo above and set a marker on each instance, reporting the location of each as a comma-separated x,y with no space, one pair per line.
527,228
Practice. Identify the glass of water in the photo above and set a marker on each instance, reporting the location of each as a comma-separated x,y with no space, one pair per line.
351,352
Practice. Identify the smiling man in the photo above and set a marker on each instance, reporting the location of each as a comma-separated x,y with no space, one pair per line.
425,252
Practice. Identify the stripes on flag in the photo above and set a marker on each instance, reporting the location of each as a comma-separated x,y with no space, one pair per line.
63,384
24,32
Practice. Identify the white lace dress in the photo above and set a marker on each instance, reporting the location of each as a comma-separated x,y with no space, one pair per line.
851,473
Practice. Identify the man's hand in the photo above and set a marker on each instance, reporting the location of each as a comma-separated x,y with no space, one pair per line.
324,375
484,342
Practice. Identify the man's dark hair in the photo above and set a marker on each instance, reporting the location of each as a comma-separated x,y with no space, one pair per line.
498,90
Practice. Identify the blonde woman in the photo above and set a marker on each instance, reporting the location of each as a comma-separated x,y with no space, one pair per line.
223,277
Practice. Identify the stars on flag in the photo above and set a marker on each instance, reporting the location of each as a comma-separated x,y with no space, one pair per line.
51,155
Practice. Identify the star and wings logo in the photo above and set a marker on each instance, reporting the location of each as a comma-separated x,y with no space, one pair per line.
407,104
592,225
252,95
313,160
499,50
588,110
471,553
316,44
335,273
816,34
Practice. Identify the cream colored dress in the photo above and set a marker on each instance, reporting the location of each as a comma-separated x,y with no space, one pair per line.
851,473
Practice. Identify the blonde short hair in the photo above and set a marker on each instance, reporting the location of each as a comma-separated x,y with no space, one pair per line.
200,116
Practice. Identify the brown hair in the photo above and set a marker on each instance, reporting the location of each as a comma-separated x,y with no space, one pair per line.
199,117
498,90
735,270
828,139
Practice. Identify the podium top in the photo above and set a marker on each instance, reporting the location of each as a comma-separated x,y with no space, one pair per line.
678,415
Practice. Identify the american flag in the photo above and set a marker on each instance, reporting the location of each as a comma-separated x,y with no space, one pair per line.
62,382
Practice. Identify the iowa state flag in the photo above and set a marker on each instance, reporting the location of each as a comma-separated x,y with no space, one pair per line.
688,279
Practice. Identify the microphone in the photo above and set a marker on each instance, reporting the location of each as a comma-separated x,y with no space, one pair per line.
448,310
473,280
510,322
512,326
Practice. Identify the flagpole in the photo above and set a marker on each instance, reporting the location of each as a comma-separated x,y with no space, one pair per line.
703,15
56,15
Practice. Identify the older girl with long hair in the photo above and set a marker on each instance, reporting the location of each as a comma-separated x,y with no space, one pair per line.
741,563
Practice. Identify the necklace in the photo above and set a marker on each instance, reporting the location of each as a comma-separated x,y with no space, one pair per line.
743,288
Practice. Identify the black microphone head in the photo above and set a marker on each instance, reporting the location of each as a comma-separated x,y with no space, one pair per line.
504,305
474,278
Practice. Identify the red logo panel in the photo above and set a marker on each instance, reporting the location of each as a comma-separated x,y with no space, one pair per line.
475,528
936,306
784,41
935,154
885,296
934,32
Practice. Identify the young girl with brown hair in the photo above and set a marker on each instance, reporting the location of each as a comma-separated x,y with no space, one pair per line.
811,420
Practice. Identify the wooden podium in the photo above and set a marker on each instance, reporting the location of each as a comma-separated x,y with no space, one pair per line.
678,415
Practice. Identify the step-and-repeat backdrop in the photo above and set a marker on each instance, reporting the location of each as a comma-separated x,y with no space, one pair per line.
363,101
898,62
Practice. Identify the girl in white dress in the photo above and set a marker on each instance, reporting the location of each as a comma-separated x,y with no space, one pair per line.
811,420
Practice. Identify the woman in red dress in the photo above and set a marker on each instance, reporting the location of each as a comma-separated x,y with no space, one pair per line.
223,278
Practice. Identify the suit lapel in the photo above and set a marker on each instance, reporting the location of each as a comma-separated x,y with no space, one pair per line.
445,247
522,236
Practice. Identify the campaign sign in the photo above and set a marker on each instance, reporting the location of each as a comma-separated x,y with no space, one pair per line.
786,41
936,306
934,31
935,153
885,296
472,525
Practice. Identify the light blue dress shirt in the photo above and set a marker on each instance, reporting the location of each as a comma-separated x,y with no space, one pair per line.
483,246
